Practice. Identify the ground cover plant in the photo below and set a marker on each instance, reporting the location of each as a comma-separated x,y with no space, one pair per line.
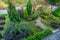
39,35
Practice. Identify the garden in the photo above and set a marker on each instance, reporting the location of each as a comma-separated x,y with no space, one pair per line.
31,22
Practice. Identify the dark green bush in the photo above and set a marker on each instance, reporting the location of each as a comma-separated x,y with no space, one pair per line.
29,7
57,12
53,2
12,12
39,35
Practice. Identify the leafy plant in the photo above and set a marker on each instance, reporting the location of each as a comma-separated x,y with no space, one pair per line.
57,12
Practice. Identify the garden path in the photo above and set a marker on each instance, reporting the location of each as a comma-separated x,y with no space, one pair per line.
40,24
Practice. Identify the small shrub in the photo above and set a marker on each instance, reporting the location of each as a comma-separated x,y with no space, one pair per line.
12,12
35,16
29,7
39,35
25,13
57,12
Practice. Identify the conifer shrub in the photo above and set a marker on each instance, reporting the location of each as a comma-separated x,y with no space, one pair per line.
12,12
29,7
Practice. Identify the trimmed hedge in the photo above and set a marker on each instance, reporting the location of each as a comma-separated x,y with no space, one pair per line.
40,35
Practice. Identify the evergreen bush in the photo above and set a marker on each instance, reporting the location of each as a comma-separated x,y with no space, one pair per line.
29,7
12,12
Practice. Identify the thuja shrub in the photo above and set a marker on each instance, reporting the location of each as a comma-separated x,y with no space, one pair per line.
29,7
39,35
12,12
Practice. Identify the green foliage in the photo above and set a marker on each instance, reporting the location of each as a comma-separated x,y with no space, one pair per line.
39,35
25,13
12,12
57,12
46,10
34,16
30,26
29,7
11,25
53,2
